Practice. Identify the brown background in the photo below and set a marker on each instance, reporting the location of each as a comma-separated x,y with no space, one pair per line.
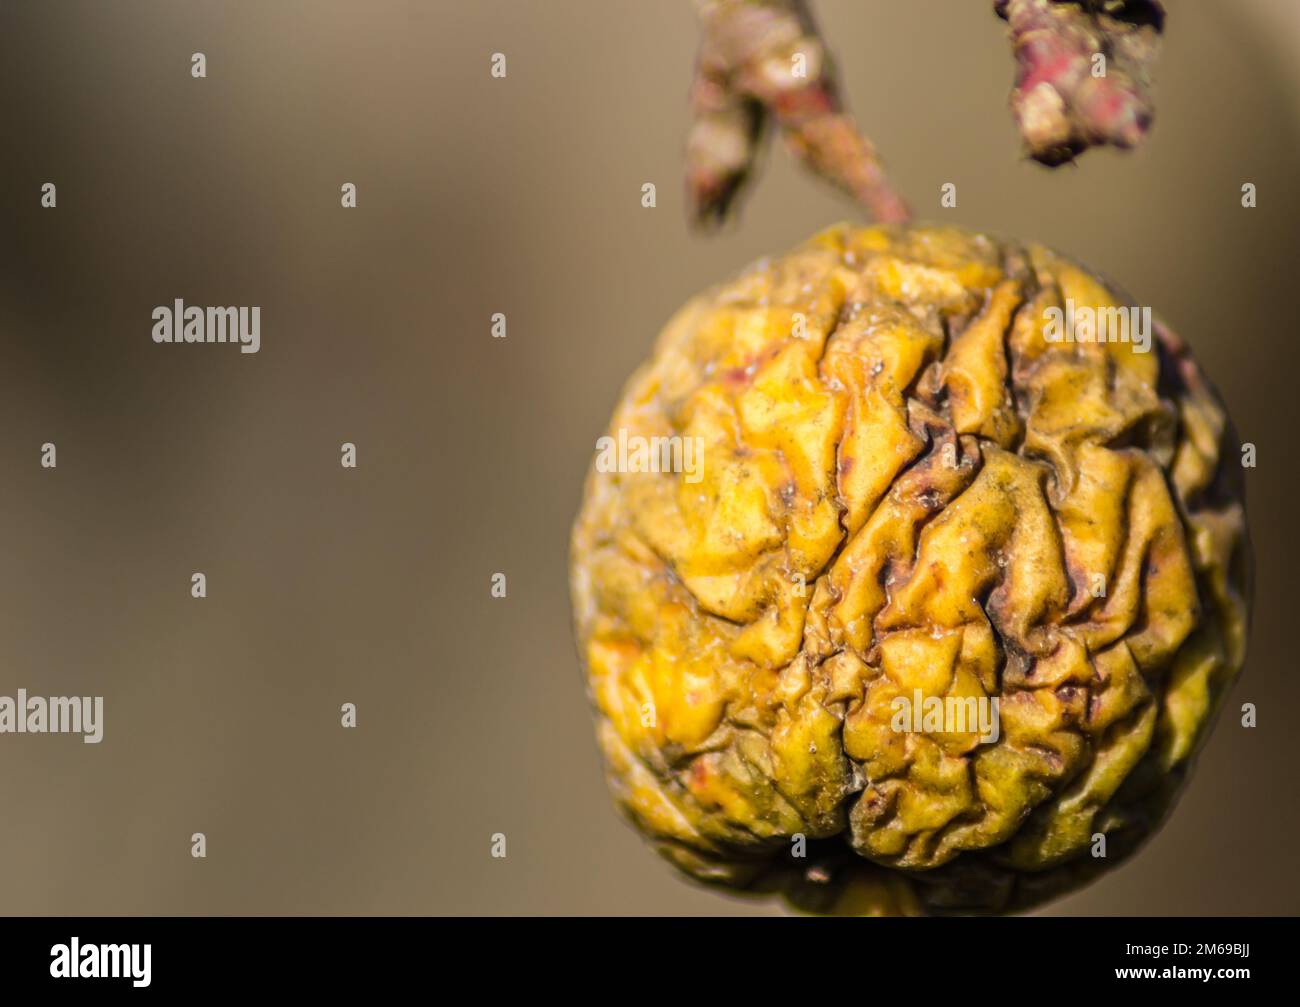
371,586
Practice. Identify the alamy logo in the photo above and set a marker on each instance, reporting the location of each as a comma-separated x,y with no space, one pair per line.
947,715
75,960
1084,324
637,453
25,714
181,324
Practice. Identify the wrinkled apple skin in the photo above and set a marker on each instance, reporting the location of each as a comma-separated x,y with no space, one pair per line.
909,482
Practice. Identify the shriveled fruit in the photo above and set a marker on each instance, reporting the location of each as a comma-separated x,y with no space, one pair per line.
917,485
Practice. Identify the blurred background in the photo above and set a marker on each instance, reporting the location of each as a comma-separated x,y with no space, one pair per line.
372,586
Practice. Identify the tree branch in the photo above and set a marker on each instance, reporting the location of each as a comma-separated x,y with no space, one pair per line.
1061,102
761,61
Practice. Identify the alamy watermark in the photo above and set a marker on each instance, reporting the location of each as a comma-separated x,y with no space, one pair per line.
24,714
947,715
1085,324
638,453
181,324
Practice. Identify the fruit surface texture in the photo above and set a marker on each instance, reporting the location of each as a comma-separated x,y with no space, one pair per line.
910,576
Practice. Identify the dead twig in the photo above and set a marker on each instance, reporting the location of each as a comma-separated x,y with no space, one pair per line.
761,61
1083,72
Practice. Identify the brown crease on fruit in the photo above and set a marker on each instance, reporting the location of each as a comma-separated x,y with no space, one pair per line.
908,486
